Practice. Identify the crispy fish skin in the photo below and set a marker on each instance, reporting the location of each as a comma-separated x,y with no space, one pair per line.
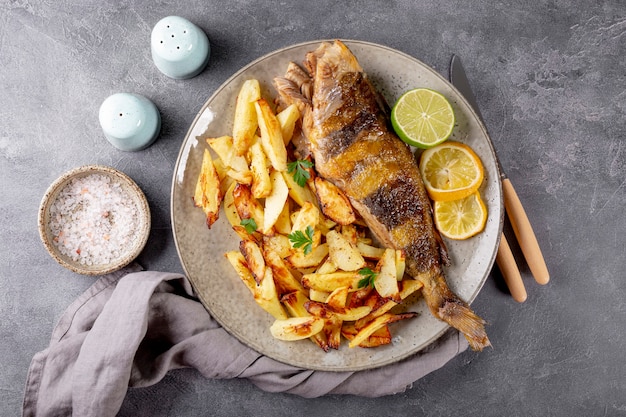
347,126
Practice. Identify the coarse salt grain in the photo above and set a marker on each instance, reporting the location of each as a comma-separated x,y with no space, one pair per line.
93,220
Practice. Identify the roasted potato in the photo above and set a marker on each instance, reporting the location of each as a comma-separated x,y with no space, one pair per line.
296,328
223,147
333,203
298,193
287,120
275,201
343,253
254,258
261,183
208,194
266,296
247,206
271,135
377,323
330,282
245,119
386,282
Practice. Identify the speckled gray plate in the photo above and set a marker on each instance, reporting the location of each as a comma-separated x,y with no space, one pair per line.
201,250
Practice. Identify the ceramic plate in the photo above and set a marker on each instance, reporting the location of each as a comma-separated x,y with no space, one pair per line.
202,250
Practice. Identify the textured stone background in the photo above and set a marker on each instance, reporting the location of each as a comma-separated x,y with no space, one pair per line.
549,77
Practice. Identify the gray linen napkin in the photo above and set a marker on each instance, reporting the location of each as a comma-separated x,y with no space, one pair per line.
131,327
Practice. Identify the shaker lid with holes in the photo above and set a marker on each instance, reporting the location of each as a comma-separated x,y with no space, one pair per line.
180,49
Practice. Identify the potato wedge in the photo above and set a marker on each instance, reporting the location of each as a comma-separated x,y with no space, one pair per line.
271,135
350,232
238,262
296,328
223,147
380,337
294,303
245,119
332,330
208,194
343,253
346,314
337,299
275,201
254,258
283,222
377,323
278,243
330,282
316,295
266,296
400,264
317,255
229,207
308,215
288,119
380,306
369,251
333,202
299,194
386,283
261,183
358,297
283,278
327,267
247,206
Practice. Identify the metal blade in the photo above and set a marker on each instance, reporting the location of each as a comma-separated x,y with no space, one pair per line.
458,78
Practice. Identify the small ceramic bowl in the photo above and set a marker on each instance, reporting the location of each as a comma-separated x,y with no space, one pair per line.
94,220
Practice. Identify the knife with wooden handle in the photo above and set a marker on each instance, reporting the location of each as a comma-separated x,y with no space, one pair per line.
517,215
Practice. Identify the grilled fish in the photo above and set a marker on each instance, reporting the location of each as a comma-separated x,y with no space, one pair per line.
346,124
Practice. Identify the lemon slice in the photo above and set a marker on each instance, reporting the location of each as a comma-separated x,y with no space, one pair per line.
461,219
451,171
422,118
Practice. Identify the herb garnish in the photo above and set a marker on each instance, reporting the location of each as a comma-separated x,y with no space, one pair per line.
250,225
299,171
368,277
303,240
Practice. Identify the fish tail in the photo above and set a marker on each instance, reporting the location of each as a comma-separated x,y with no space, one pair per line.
447,306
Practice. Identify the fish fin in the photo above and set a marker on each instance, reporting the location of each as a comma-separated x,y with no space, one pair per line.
300,78
462,318
443,249
289,93
447,306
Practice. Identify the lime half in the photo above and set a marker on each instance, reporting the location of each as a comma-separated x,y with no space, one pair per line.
422,117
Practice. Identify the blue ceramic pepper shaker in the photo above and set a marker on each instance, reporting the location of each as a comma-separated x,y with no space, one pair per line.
179,48
129,121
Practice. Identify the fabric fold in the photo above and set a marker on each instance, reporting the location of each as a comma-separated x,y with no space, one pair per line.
131,327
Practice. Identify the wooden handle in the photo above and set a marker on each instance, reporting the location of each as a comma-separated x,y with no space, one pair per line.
524,233
510,272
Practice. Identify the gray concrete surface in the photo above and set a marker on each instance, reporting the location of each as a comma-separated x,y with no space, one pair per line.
550,78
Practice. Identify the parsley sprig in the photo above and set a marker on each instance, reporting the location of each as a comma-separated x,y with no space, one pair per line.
299,170
368,277
304,240
250,225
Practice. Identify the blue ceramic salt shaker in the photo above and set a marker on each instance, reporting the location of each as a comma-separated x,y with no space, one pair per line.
179,48
129,121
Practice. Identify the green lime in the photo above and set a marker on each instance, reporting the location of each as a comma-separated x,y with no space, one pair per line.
422,118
